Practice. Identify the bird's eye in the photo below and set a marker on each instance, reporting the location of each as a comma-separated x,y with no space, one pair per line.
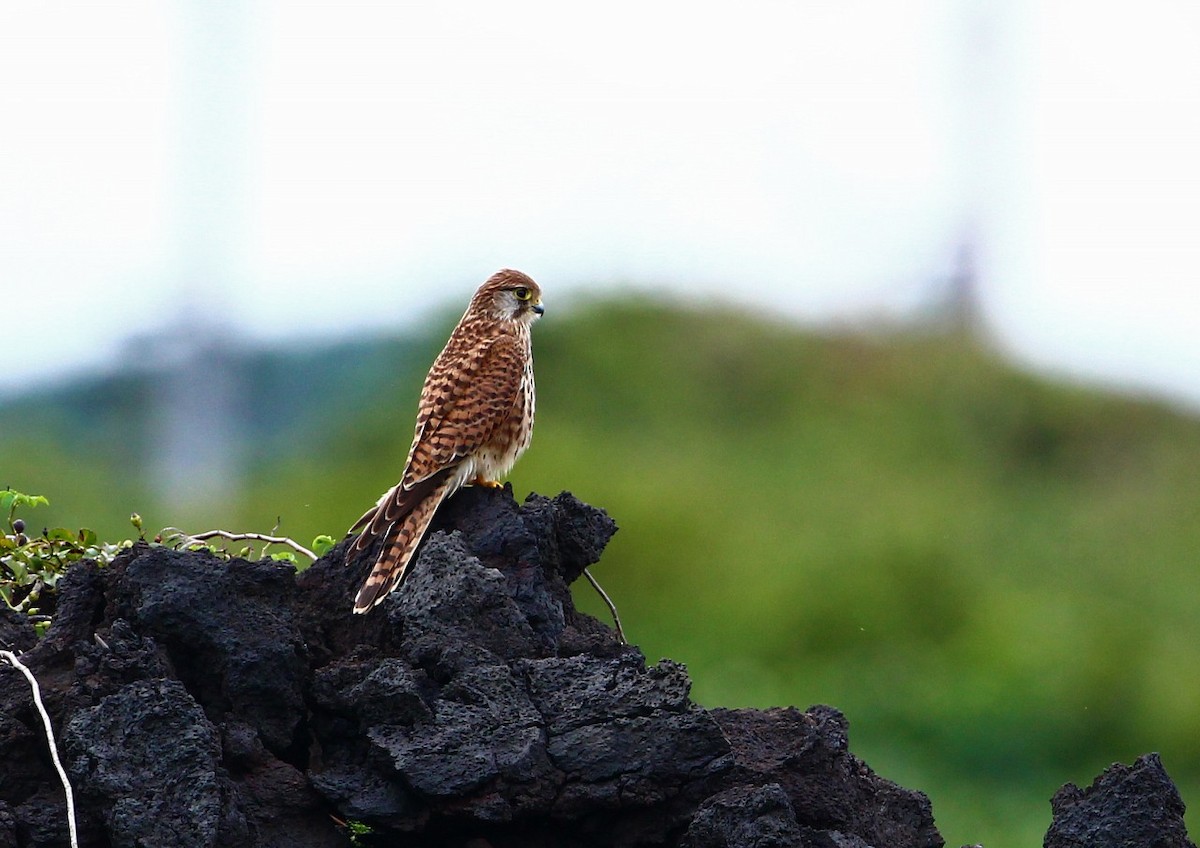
522,293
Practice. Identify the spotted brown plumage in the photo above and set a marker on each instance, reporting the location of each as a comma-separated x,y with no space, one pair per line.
474,419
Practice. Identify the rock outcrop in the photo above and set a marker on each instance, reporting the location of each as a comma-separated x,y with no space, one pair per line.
205,702
1126,805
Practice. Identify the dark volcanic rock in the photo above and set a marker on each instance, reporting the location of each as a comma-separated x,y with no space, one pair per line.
148,759
745,817
209,702
1124,806
228,630
205,702
16,632
807,753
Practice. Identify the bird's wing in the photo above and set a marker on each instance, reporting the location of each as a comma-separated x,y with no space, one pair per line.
396,503
464,401
466,397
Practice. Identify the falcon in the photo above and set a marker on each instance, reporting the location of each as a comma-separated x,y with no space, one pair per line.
474,419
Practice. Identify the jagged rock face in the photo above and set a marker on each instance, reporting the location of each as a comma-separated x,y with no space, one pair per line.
211,703
1126,805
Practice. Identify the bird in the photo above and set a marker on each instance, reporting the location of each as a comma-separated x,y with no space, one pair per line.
474,419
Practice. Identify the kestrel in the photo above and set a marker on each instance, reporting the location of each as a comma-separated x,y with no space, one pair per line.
474,419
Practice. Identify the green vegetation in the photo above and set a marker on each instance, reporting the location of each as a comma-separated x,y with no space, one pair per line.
358,829
30,566
992,574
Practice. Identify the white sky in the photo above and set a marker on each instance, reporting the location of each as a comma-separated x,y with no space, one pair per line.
303,169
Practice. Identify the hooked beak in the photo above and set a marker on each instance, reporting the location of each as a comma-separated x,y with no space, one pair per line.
538,308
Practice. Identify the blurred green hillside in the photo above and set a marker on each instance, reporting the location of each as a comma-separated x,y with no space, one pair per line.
994,575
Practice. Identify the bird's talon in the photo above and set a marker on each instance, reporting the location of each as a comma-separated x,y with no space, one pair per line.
489,484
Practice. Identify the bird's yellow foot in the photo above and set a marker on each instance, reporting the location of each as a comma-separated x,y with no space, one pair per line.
491,484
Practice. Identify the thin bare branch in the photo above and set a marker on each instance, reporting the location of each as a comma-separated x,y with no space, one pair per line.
612,608
177,536
41,708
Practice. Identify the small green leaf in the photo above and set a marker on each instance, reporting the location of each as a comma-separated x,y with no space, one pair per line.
284,556
46,569
87,537
10,500
322,544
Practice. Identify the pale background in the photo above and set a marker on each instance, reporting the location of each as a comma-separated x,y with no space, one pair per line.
305,170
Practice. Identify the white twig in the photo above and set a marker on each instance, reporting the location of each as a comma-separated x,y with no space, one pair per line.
41,708
611,606
185,539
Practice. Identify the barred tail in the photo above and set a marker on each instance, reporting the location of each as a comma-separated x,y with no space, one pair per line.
402,533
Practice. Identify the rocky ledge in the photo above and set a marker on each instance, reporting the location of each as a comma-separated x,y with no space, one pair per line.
204,702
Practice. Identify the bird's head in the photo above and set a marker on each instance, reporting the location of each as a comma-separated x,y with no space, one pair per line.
509,296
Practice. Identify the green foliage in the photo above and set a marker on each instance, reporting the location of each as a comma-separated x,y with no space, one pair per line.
993,574
357,830
30,566
10,500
